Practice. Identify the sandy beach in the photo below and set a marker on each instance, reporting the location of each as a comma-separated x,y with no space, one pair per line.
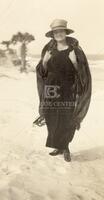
27,171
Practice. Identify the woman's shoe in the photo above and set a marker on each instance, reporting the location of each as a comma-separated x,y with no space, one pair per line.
56,152
67,156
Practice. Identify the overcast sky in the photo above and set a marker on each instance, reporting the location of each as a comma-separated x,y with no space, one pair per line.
86,17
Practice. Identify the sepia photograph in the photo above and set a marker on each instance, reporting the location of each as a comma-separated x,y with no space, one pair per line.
51,100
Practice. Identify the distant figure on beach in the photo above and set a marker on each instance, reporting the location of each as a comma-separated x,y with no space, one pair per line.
64,87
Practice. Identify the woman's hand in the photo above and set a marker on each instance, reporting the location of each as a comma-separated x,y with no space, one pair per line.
72,57
47,56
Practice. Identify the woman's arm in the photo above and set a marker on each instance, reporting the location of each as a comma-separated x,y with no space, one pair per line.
73,58
42,65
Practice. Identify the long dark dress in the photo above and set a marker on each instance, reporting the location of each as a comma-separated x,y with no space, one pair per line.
59,99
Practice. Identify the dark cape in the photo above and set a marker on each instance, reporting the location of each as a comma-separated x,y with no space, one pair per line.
83,79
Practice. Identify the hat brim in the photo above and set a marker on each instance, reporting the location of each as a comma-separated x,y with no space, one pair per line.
50,33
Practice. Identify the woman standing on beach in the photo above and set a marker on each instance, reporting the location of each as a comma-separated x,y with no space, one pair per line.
64,87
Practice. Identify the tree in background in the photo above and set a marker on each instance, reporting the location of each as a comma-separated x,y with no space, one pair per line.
24,39
6,43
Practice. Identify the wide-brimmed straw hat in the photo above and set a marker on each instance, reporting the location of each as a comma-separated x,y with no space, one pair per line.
58,24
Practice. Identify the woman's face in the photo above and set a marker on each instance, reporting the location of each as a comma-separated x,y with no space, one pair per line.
59,35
